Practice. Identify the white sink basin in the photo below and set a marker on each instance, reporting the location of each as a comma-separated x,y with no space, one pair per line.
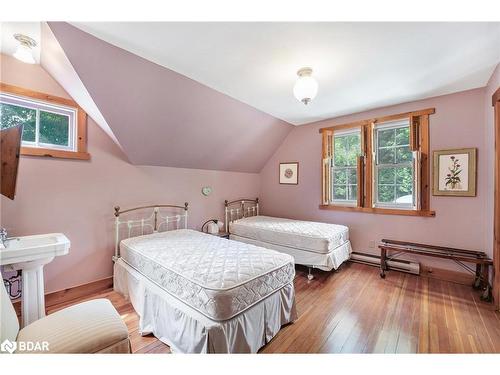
29,254
33,248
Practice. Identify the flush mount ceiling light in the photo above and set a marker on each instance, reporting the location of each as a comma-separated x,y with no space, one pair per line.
24,51
306,87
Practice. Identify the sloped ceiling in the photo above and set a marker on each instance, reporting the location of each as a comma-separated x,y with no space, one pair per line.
358,65
162,118
55,62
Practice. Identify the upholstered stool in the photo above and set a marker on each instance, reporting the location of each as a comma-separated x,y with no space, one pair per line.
89,327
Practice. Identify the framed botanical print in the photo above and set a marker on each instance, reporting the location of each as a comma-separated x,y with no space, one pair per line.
454,172
289,173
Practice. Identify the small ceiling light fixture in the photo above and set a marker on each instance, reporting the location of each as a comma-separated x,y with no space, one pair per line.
24,51
306,87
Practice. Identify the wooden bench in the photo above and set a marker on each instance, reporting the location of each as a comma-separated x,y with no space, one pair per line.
390,249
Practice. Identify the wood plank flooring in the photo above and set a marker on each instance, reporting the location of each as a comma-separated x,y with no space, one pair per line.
353,310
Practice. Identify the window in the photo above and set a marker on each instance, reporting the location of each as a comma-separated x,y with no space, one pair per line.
346,149
52,126
394,166
378,165
45,126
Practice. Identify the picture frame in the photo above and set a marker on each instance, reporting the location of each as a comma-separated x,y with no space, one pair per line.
454,172
289,173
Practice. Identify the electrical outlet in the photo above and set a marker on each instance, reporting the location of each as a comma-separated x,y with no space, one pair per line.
371,244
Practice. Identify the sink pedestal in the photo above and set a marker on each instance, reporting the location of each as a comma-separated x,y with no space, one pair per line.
33,296
32,289
29,254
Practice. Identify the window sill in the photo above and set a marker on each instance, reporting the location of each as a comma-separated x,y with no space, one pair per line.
61,154
381,211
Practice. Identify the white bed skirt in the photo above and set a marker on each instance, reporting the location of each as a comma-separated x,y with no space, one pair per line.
325,262
186,330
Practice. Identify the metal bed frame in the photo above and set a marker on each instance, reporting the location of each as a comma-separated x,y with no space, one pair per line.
153,223
246,208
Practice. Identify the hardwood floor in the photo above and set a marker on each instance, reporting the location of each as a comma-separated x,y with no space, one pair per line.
354,311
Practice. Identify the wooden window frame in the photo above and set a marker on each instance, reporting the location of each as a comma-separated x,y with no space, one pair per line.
81,124
347,203
495,101
419,141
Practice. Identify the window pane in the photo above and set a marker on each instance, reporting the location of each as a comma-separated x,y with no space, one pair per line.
403,154
405,192
386,193
346,149
339,192
386,156
54,129
353,192
352,176
353,148
13,115
353,141
404,176
339,151
403,136
404,188
386,137
339,177
386,175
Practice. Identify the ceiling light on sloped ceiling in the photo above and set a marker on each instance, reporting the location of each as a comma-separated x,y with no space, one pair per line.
24,51
306,87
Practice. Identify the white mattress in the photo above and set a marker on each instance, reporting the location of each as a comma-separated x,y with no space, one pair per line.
219,278
304,235
326,262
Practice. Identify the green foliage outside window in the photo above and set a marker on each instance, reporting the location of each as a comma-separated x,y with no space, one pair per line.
53,127
394,168
12,115
346,149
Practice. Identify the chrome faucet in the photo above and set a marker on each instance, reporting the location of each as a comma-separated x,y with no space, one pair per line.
3,236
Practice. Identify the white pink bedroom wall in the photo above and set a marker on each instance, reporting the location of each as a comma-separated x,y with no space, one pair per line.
491,87
77,197
459,122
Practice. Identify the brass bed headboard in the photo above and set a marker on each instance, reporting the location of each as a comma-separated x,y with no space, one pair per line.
143,224
242,208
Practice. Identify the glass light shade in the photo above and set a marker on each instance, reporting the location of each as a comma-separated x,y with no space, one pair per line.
24,53
305,89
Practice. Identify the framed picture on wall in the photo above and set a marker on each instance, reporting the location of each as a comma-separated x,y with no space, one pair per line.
454,172
289,173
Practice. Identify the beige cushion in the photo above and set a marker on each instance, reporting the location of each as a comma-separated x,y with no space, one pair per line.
88,327
9,325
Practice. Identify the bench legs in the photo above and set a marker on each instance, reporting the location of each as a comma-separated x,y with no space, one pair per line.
477,277
481,273
482,281
383,262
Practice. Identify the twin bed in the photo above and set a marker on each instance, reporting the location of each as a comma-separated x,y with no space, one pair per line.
315,245
205,294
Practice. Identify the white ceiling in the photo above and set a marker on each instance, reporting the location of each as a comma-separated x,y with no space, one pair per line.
358,65
8,44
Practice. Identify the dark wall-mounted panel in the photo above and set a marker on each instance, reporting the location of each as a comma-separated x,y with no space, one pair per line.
10,145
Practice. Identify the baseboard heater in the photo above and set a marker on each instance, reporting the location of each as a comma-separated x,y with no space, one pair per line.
395,264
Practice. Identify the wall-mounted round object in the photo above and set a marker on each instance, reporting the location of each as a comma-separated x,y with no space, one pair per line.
206,190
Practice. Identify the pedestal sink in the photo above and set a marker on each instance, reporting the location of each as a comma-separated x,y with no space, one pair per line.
29,254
